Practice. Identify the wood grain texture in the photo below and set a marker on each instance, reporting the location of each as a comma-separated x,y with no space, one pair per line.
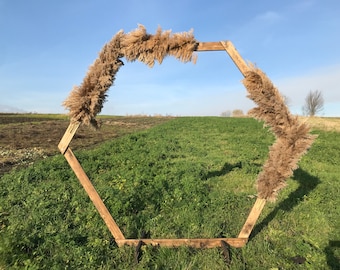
252,218
94,196
210,46
68,136
235,56
194,242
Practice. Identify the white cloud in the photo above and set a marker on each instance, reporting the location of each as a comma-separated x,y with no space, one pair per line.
324,79
303,5
269,17
10,109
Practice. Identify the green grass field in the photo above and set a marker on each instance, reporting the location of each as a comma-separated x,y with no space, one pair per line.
189,177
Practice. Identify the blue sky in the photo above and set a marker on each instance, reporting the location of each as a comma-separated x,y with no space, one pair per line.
46,48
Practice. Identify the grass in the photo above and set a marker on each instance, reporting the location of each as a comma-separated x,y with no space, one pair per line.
189,177
323,123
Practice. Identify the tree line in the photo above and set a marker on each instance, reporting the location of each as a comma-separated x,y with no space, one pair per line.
314,104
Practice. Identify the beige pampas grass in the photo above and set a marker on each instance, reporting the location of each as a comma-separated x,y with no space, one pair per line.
292,137
86,101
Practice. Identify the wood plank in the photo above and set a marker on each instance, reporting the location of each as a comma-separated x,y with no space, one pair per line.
210,46
94,196
252,218
194,242
68,136
235,56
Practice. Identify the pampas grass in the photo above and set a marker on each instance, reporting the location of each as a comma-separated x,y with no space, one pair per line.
292,137
86,101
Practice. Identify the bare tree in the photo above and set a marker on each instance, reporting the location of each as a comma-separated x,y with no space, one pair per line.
313,103
226,113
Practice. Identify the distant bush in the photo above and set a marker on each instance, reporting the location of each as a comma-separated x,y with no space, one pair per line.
237,113
226,113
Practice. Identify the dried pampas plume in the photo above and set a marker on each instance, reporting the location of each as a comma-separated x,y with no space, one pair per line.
86,101
292,137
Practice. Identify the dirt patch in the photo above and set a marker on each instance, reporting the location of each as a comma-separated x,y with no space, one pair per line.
25,139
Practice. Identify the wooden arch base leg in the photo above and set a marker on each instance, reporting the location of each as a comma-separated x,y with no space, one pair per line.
252,218
191,242
85,181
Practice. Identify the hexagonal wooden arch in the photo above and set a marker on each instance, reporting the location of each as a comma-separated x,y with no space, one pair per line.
292,138
244,234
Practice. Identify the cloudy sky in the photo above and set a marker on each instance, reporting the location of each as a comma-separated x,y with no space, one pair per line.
46,48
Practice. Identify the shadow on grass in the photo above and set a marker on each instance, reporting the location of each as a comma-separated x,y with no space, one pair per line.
307,184
332,260
227,168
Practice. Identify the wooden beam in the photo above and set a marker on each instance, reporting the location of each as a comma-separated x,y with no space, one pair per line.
94,196
194,242
235,56
252,218
210,46
68,136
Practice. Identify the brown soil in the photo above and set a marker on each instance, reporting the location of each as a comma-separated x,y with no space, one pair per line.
24,139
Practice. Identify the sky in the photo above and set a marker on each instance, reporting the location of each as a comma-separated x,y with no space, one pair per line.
46,48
